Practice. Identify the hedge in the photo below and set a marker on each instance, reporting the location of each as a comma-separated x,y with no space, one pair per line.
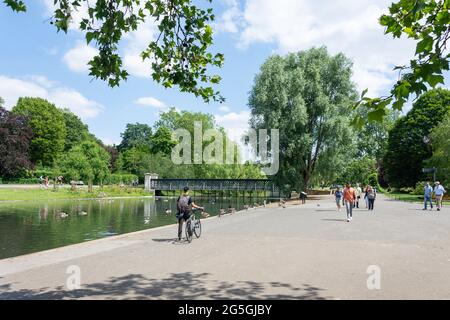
117,178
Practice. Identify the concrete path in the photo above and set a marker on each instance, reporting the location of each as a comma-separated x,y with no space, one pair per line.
301,252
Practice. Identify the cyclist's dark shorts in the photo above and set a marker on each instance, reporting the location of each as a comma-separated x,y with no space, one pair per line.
183,216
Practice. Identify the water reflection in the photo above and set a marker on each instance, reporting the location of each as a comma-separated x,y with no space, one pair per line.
27,227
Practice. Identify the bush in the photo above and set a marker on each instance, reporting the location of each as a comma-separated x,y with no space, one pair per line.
373,181
21,181
407,190
418,190
120,178
44,172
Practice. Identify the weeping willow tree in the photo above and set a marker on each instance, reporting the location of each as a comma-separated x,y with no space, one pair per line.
308,97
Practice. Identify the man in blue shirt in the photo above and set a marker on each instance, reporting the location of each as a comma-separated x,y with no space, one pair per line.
439,193
428,192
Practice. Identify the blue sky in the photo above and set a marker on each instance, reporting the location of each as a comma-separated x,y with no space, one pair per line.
37,61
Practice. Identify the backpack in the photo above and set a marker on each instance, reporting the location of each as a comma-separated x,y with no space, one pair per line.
371,194
183,204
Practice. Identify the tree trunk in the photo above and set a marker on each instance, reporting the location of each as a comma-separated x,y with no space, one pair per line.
90,186
306,177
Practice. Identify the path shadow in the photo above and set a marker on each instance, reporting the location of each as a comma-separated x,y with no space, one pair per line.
172,241
335,220
177,286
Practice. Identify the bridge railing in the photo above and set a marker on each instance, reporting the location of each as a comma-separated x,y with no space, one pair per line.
214,184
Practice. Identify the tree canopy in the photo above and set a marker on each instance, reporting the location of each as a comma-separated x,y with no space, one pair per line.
136,136
179,56
308,97
87,161
440,142
49,128
409,141
76,130
15,138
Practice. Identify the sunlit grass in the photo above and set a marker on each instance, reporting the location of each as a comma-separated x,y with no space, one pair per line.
410,198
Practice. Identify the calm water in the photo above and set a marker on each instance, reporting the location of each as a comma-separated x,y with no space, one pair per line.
27,227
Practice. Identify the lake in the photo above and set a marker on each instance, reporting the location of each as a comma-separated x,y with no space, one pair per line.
27,227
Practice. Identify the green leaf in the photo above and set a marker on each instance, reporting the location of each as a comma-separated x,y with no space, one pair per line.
426,45
435,79
376,115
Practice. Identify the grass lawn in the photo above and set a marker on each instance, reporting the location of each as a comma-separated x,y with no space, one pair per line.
13,194
410,197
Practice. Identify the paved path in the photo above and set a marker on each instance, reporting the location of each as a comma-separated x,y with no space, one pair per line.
302,252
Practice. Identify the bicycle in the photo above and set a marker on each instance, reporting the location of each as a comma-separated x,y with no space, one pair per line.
193,227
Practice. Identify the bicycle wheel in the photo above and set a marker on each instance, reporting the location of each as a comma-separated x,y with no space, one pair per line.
189,232
198,228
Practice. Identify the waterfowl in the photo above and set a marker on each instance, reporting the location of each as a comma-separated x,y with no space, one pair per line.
63,215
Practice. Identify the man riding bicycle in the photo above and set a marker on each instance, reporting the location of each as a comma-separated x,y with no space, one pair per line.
184,204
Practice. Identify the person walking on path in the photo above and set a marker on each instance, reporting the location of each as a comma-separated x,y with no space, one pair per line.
439,192
184,204
428,195
349,199
371,196
338,194
366,200
358,195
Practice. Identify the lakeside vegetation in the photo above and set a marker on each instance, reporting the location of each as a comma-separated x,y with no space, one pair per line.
18,194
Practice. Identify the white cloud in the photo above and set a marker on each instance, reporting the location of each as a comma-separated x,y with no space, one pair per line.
39,86
136,42
78,57
224,109
231,19
151,102
236,126
348,26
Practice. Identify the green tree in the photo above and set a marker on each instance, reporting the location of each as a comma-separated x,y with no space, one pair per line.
136,136
164,167
132,160
186,120
87,161
428,23
174,120
357,171
163,141
180,55
48,125
373,136
76,130
75,166
408,145
440,142
307,96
